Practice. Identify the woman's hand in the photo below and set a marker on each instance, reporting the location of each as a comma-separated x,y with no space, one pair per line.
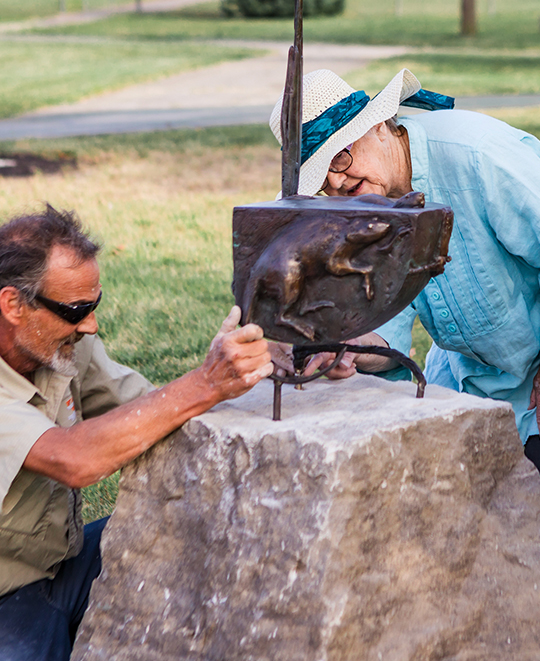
350,361
281,355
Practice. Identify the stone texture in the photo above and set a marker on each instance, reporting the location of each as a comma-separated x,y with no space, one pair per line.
365,525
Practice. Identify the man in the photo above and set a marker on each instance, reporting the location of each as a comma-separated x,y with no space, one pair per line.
70,416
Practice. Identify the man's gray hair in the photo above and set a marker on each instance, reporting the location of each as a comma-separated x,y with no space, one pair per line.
26,243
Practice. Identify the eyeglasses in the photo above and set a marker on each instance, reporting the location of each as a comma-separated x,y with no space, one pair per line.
73,314
342,161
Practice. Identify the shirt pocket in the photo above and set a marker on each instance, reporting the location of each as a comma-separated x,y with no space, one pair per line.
28,505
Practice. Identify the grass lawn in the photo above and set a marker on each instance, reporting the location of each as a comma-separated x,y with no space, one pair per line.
162,205
423,23
21,10
466,73
36,74
25,9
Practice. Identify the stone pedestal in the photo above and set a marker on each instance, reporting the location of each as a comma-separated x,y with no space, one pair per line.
366,525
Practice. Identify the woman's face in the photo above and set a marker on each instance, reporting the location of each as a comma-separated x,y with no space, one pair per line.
377,167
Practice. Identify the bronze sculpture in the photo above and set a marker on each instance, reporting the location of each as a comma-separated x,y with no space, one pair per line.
330,269
327,269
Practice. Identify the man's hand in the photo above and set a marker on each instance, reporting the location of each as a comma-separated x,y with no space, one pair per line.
350,361
237,358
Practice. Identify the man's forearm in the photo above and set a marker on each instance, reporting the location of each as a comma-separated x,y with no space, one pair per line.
93,449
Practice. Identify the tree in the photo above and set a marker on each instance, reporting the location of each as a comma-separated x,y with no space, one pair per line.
468,17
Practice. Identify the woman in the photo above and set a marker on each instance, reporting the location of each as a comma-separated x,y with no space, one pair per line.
483,313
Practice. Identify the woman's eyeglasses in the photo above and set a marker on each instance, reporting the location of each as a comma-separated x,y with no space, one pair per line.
342,161
73,314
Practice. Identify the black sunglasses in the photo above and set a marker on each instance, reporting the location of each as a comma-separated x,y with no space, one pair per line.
73,314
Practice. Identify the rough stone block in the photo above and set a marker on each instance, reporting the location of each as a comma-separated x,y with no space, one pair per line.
362,526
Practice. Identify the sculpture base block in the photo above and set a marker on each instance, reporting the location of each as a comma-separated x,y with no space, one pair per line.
367,524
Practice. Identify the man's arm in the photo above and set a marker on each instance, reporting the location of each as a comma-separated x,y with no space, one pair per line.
91,450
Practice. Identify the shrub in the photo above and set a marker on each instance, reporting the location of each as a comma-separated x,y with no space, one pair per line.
280,8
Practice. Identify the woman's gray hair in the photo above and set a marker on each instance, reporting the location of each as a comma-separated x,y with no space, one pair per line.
26,243
394,127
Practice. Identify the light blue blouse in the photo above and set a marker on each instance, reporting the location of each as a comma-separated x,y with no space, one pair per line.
483,313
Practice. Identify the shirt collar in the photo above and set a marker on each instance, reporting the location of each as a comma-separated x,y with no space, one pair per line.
17,385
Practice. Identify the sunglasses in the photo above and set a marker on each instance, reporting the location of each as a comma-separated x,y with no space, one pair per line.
73,314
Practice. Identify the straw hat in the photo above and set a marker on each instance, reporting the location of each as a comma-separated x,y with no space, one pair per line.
323,90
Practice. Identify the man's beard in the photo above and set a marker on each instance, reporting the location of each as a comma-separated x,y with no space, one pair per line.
62,362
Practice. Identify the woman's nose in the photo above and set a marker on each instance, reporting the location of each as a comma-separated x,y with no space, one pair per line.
335,182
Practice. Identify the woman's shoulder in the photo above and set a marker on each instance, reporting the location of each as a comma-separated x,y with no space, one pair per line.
462,127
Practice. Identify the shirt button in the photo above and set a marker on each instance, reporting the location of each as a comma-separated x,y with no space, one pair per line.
444,314
436,296
452,328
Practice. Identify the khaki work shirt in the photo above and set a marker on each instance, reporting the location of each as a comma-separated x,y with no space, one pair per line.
40,519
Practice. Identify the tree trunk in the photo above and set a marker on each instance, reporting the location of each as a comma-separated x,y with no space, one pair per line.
468,18
138,6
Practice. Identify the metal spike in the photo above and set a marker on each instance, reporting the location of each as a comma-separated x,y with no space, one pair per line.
291,112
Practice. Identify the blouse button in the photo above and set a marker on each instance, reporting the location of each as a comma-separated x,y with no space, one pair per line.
444,314
436,296
452,328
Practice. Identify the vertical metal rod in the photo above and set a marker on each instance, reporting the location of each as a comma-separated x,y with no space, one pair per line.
277,400
291,112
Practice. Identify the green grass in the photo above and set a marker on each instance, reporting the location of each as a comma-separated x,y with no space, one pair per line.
33,74
503,59
423,23
25,9
20,10
457,73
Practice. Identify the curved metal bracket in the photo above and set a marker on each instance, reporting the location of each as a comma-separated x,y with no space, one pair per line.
301,352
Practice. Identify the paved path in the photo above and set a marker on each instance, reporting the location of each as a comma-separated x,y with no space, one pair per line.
236,92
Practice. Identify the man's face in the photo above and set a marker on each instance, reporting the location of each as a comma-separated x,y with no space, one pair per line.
45,339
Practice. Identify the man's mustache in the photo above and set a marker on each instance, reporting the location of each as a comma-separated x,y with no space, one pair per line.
72,339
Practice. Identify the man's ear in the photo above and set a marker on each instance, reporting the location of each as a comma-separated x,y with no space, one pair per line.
12,305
